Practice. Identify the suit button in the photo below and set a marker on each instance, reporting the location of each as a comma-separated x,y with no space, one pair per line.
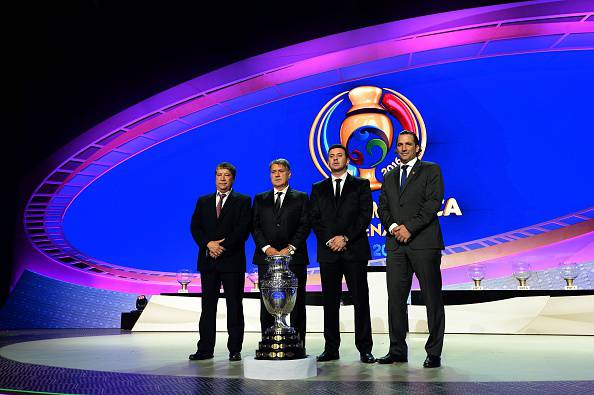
401,205
277,225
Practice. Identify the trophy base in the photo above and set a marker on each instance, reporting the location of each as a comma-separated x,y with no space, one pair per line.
280,330
477,288
298,369
571,287
523,287
279,347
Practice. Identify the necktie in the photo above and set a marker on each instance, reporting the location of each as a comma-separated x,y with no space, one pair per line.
277,202
403,176
220,203
337,192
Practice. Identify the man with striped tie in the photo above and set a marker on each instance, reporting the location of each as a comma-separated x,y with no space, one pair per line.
220,226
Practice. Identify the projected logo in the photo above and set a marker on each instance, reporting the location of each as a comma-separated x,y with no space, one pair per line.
365,125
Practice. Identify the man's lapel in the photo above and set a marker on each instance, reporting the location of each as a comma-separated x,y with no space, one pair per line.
328,190
269,200
411,176
211,207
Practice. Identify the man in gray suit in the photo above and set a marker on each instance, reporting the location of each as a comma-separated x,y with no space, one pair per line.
409,201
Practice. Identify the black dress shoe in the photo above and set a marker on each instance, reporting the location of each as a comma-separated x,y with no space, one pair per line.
328,356
432,361
200,355
234,356
391,358
367,357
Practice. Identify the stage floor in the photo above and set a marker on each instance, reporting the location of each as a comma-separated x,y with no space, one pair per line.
113,362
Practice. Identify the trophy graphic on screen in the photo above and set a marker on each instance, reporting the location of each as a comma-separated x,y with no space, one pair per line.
371,114
367,132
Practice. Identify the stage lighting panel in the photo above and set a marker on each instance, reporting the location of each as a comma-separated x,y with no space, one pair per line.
521,44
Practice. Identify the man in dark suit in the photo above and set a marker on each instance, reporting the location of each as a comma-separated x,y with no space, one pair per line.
220,227
280,227
341,209
409,201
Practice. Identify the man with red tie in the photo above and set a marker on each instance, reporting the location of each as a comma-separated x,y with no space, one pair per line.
220,226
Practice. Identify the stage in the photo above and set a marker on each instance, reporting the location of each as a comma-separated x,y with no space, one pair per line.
130,108
118,362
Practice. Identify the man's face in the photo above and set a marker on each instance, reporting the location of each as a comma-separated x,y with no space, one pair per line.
224,180
406,148
279,176
337,160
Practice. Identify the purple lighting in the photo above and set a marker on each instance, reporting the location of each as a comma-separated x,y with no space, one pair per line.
457,36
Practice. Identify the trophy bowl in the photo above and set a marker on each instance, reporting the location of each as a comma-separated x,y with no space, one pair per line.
184,277
522,272
476,272
569,272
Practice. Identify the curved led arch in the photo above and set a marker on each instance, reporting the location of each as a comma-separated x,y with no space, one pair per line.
389,48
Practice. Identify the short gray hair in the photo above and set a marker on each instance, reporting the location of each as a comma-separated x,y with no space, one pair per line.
282,162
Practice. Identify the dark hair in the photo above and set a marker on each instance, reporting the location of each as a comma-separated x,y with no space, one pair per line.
227,166
342,147
415,139
282,162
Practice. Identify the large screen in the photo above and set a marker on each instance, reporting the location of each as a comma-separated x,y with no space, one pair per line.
512,134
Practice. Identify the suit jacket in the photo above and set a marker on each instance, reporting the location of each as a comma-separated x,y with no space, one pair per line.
350,217
415,207
232,225
289,226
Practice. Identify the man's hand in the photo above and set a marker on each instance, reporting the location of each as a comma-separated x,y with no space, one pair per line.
272,251
215,249
401,233
337,243
285,251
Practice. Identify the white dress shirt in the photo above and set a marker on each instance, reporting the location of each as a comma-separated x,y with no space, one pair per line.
219,193
410,165
343,178
282,199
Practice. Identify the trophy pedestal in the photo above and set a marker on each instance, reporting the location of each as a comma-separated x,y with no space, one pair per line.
295,369
280,346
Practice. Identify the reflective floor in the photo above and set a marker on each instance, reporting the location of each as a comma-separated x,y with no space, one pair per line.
114,362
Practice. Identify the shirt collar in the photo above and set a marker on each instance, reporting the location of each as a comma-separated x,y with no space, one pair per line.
284,191
342,177
226,193
410,163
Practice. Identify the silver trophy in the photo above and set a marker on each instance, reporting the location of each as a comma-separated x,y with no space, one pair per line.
278,287
279,293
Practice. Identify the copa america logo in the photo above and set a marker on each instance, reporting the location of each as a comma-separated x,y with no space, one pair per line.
366,129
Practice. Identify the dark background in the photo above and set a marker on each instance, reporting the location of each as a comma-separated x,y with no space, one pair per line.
69,65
